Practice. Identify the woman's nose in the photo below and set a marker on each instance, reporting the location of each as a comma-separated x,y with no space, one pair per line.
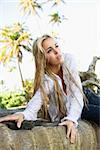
55,51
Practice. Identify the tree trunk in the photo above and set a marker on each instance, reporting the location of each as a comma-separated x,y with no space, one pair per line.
22,80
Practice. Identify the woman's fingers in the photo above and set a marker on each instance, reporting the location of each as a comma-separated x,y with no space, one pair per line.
71,130
68,132
15,117
20,120
69,126
73,135
62,123
7,118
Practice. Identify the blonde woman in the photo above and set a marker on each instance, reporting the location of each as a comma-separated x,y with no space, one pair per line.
57,88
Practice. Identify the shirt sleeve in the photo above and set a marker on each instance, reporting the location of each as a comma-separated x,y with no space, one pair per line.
33,106
75,99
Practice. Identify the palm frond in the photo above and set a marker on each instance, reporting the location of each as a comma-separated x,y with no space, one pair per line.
57,2
55,18
30,6
12,38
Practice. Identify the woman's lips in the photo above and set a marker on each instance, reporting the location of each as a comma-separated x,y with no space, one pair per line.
59,56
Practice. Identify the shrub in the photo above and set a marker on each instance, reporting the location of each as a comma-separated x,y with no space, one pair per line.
12,99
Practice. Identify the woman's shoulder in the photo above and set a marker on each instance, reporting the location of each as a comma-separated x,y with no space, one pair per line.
69,59
68,56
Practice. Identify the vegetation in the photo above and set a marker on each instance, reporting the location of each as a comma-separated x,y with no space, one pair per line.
14,40
28,89
32,7
12,99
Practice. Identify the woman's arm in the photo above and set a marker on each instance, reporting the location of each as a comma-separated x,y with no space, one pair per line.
76,98
30,113
33,106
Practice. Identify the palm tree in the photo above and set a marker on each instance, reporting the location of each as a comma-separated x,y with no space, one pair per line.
33,6
30,6
14,39
56,18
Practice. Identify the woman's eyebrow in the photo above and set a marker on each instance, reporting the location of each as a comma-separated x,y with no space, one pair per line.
48,48
51,46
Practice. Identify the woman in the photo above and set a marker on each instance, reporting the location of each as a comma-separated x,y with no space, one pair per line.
57,88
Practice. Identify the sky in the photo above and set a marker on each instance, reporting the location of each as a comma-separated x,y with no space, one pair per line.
79,34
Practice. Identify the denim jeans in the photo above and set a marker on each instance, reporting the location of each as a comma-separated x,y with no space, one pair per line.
92,112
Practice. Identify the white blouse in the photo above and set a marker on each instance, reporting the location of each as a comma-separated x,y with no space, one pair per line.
74,103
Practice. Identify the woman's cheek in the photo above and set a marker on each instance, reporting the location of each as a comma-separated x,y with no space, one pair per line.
47,59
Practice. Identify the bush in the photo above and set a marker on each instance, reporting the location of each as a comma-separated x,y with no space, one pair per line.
28,89
12,99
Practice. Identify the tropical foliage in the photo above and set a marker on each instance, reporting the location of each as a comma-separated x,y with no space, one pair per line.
13,38
12,99
28,88
34,6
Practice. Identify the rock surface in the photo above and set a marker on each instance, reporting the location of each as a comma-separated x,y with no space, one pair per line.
48,137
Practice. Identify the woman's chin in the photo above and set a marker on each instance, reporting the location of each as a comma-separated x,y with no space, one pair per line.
61,60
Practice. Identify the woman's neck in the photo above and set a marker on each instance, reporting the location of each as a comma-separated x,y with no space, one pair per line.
56,69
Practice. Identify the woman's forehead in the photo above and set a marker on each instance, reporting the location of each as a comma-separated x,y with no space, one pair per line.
49,41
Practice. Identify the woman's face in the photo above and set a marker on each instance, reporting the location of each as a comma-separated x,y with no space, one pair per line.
52,52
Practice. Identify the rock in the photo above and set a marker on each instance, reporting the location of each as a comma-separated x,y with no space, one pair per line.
49,138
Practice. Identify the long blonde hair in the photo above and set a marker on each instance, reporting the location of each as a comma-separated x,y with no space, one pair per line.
41,69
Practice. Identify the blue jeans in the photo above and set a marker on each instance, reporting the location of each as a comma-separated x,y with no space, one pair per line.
92,113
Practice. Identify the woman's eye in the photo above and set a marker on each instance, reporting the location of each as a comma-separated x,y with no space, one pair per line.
49,50
56,45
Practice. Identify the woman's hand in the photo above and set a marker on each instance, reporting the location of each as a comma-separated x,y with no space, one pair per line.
71,130
19,118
